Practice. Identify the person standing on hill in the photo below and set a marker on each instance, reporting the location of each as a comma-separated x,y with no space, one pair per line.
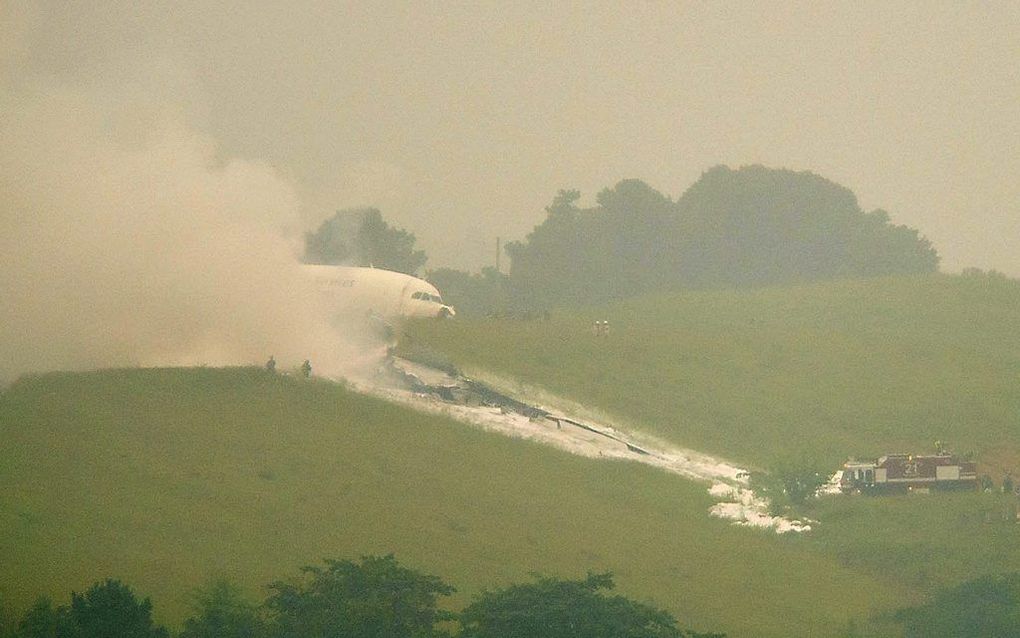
306,368
271,365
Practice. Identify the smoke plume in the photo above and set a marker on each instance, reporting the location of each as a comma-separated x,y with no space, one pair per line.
126,239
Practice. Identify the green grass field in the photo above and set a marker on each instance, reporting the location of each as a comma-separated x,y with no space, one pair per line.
813,373
167,478
808,374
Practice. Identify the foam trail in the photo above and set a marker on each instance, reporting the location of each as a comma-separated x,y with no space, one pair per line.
597,438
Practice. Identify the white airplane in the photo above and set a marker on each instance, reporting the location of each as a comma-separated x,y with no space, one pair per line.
374,291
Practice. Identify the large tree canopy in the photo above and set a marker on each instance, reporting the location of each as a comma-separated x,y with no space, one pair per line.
361,237
747,227
764,226
222,612
473,295
107,610
555,608
376,598
988,606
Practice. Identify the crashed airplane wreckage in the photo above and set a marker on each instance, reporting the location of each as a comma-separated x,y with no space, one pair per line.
428,387
908,473
461,390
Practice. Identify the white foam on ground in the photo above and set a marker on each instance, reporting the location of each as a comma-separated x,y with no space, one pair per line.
738,503
744,507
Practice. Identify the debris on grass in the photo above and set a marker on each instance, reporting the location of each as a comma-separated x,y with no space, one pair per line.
439,392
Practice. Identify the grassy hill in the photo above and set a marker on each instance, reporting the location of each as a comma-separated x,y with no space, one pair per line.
167,478
808,374
816,372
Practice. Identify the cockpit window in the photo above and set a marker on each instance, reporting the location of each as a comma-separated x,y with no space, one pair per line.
426,296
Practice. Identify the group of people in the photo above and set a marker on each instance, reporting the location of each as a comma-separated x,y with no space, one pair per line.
600,328
306,367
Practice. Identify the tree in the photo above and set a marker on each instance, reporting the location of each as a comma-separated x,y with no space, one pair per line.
361,237
788,483
551,265
42,620
753,226
759,226
554,608
109,610
376,598
635,223
222,612
800,483
987,606
473,295
385,247
335,240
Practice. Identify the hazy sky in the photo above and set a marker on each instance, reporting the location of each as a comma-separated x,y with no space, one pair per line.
460,121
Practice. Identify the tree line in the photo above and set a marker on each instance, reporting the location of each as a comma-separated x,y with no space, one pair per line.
753,226
361,237
375,597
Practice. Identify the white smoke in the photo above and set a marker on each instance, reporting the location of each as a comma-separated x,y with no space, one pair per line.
126,240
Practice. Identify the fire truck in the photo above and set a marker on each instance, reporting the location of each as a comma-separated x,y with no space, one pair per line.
908,472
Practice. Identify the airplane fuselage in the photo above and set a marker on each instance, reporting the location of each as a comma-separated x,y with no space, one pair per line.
346,290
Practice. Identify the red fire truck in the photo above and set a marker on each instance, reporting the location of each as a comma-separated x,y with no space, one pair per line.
908,472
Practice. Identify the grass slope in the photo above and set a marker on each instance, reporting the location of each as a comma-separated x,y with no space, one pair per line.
816,372
811,374
166,478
